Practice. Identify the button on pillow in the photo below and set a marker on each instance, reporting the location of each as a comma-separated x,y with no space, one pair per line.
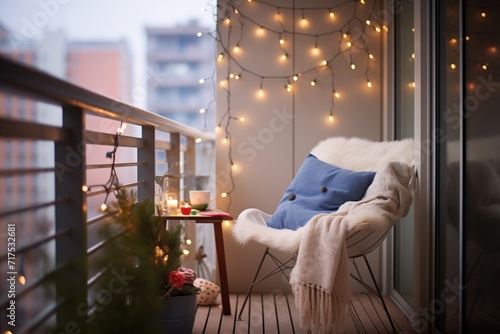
318,187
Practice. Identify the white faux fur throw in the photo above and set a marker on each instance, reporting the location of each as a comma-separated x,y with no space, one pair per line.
320,279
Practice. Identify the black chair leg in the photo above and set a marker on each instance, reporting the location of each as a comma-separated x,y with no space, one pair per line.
254,281
281,266
379,293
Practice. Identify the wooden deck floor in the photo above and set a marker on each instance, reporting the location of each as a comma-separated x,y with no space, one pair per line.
277,314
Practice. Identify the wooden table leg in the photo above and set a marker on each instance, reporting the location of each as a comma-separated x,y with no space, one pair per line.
221,261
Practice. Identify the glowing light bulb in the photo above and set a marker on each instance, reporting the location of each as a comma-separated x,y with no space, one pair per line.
303,22
237,77
22,280
295,77
185,252
349,44
331,13
377,29
198,140
453,41
336,94
282,41
483,14
412,84
236,49
201,81
371,56
85,188
344,35
223,83
260,31
189,242
202,111
368,22
284,56
369,83
236,11
242,119
223,195
220,57
353,67
315,51
227,223
227,21
324,62
467,38
103,207
313,83
217,128
484,67
199,34
260,93
330,118
234,167
453,66
225,140
362,2
288,87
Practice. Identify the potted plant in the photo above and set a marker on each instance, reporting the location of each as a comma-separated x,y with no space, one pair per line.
147,258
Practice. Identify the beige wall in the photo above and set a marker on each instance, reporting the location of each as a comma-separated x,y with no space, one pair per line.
282,127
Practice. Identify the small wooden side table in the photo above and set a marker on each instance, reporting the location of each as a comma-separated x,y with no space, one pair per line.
216,218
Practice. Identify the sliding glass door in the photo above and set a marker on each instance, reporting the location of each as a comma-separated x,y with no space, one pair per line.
466,288
404,80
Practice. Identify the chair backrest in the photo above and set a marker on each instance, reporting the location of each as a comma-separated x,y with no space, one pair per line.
361,154
364,155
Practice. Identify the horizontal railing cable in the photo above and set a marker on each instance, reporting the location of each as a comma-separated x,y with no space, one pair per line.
99,245
122,186
117,165
35,243
32,207
28,130
35,284
25,171
42,317
108,139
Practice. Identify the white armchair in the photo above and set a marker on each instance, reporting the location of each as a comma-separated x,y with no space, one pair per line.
363,236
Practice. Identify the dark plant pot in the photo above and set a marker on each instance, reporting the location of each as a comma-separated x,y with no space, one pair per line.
178,314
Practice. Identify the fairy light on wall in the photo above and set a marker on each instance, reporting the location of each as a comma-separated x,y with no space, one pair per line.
235,17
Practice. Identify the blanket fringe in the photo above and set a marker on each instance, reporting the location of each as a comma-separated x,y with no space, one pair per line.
322,311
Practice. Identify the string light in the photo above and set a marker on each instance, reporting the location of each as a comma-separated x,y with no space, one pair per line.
113,182
231,48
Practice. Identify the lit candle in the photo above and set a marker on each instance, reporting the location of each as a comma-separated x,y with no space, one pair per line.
172,205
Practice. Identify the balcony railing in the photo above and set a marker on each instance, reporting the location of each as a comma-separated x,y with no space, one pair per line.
47,222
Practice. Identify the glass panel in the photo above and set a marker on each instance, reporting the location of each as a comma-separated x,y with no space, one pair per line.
481,224
448,163
404,118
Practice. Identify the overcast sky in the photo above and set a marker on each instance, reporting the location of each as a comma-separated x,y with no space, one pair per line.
102,19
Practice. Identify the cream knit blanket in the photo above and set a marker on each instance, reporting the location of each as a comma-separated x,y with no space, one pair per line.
320,279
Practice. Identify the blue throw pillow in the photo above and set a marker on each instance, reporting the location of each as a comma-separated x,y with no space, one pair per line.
318,187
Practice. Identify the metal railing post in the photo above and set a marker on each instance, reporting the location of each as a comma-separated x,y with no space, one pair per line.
71,215
147,172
